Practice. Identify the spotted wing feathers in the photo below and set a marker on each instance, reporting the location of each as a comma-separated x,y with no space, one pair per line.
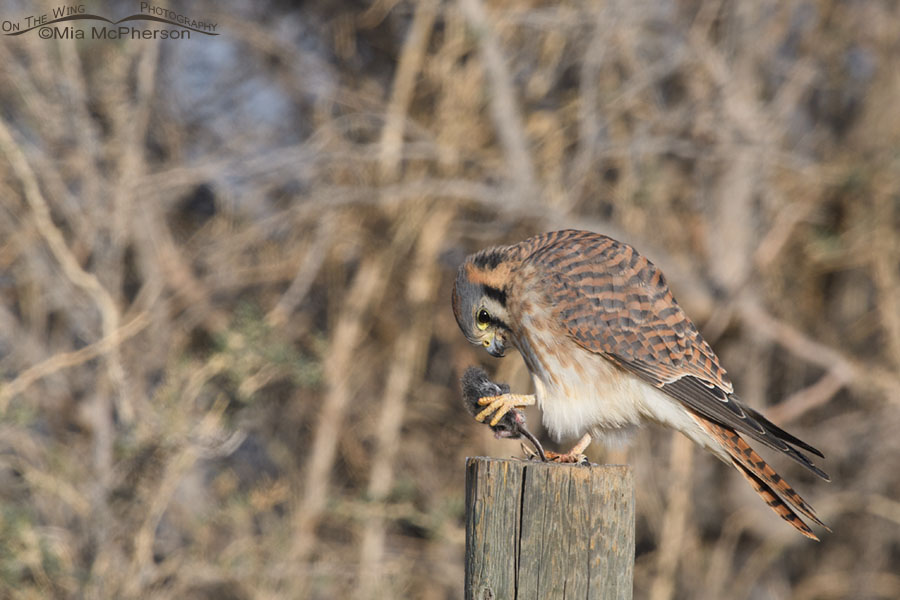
614,301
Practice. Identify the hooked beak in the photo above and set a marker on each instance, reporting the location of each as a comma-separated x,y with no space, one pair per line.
496,348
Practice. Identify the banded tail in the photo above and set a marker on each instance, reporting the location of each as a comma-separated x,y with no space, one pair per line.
772,488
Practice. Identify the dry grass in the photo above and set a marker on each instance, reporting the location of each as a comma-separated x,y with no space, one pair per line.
229,366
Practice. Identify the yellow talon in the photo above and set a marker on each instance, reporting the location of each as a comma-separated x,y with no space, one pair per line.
500,405
499,414
493,403
488,400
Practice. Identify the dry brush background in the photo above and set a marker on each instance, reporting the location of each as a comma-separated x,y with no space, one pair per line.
229,365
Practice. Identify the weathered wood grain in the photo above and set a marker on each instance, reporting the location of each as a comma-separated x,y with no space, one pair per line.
548,531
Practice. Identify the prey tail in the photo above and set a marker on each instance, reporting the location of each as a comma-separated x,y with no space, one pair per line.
773,489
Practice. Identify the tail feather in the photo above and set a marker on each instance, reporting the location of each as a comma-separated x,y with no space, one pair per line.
777,492
780,507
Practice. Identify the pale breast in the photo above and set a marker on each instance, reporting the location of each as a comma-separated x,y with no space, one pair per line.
579,392
582,392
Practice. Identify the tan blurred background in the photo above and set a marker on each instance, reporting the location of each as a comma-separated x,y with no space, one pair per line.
228,364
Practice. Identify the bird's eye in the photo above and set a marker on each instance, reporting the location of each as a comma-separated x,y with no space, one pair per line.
483,319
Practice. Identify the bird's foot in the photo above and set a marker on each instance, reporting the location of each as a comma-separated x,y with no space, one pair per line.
500,405
575,455
567,458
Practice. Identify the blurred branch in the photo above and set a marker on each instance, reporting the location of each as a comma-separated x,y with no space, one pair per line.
841,585
675,520
53,236
503,103
409,358
886,508
142,568
167,265
67,360
303,280
87,282
808,398
362,294
885,250
589,117
411,58
57,486
794,340
719,570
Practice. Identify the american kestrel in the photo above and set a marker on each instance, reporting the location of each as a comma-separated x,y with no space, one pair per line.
609,349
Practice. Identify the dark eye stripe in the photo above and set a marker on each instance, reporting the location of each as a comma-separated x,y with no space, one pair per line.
495,294
499,324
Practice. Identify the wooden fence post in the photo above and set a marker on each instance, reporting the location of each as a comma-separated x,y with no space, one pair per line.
548,531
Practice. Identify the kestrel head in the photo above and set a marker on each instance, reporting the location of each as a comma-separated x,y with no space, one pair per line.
479,300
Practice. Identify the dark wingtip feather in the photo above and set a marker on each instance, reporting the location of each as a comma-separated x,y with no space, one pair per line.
822,474
784,435
777,443
728,410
